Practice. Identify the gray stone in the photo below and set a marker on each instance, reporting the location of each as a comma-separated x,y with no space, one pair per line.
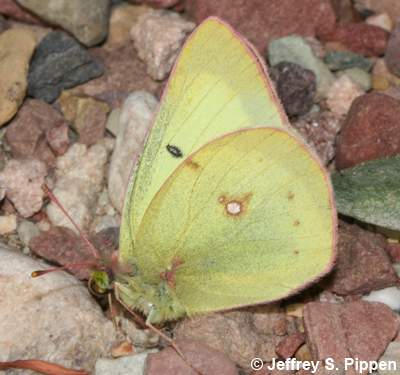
58,63
87,20
130,365
134,123
52,318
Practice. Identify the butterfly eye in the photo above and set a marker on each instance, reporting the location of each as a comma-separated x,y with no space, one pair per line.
175,151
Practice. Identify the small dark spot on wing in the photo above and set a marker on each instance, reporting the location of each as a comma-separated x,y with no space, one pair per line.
175,151
192,164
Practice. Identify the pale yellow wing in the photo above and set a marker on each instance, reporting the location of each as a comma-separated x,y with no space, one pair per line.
218,86
249,218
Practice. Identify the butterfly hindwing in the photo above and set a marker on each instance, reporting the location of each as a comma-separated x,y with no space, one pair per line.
248,218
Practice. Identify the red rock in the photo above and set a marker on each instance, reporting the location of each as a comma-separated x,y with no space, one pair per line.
393,250
63,246
124,72
27,132
241,335
344,11
201,357
160,3
11,9
289,345
351,330
370,130
57,138
260,21
362,264
367,40
392,55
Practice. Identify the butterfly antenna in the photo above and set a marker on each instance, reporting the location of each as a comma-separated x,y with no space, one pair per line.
64,267
54,200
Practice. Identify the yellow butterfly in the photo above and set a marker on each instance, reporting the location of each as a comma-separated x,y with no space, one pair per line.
228,207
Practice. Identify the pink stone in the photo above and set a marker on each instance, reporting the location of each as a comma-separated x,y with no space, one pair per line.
260,21
367,40
370,130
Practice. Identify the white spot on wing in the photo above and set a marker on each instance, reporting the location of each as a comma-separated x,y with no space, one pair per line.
233,208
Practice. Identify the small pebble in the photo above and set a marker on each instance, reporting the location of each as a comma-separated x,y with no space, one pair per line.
358,37
134,123
389,296
112,124
381,20
37,131
359,76
58,63
296,87
86,20
363,126
79,172
356,329
23,180
8,224
392,55
123,17
158,37
392,353
340,60
129,365
16,48
296,50
26,231
382,79
87,115
341,94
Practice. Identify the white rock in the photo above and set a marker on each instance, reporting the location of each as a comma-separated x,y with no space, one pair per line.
140,338
26,231
103,222
135,122
130,365
113,121
392,353
52,317
389,296
79,179
23,180
8,224
341,94
381,20
158,37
